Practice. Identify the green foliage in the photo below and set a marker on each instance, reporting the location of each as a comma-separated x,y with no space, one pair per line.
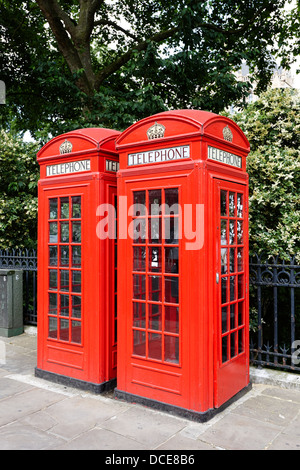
19,174
272,125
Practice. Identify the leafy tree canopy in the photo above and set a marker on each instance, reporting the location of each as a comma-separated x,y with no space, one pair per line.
69,64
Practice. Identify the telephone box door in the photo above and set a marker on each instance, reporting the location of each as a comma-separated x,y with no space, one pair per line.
231,290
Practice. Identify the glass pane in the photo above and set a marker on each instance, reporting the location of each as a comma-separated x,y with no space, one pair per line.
154,288
53,304
53,209
171,260
155,319
139,343
64,232
224,319
224,252
240,259
232,260
155,259
76,256
155,230
240,313
233,349
232,232
52,328
240,231
232,316
76,332
241,341
139,258
76,306
139,230
225,349
53,279
172,349
224,290
64,208
231,204
224,203
64,330
76,207
171,319
64,305
154,346
76,281
171,289
76,232
241,287
155,202
53,230
52,255
139,201
232,288
239,205
139,287
139,315
171,230
224,239
64,281
64,256
171,200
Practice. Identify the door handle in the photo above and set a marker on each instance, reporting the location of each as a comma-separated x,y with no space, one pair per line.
217,278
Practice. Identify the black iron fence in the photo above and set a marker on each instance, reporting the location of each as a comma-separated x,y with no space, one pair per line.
275,313
27,261
274,306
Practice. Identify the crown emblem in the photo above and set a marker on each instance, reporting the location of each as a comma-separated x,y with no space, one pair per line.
66,147
227,134
157,131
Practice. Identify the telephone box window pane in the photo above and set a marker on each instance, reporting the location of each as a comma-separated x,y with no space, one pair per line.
76,281
172,319
155,259
232,232
76,256
76,207
240,313
241,287
232,288
171,260
155,318
52,328
64,281
53,304
64,305
239,205
139,287
233,350
225,349
241,341
64,208
155,202
76,306
224,239
64,232
224,203
53,279
172,349
155,346
139,258
53,209
231,204
139,343
232,316
171,230
139,315
155,288
171,289
64,256
240,232
53,231
76,232
224,319
224,290
53,255
224,255
240,259
232,260
171,200
64,330
139,231
155,230
139,201
76,332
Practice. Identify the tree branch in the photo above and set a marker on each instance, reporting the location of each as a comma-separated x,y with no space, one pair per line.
117,27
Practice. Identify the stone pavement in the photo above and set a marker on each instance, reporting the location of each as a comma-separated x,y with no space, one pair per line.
38,415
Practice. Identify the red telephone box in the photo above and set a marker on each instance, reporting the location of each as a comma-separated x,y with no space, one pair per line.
76,265
183,263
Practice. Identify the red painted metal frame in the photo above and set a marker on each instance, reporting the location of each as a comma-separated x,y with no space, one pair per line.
194,383
92,363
